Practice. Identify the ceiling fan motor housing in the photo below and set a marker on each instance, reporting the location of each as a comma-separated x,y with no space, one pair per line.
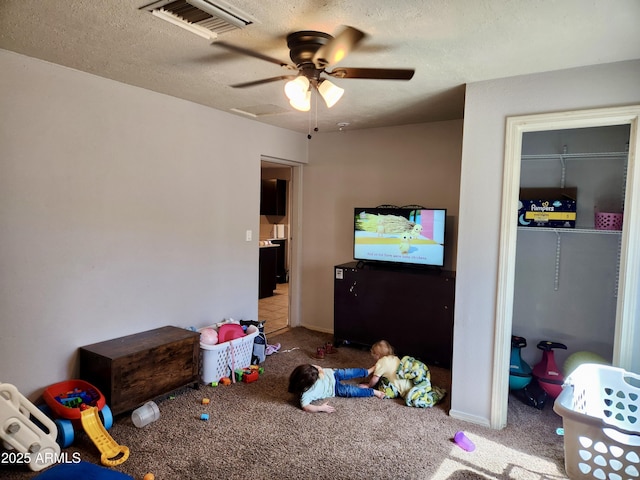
304,45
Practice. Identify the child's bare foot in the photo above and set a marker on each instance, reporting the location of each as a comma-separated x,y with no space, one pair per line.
379,394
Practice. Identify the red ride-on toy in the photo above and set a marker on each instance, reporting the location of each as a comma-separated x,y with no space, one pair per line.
63,400
78,404
547,373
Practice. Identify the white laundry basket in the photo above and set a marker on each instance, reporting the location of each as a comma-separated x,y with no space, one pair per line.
600,410
220,360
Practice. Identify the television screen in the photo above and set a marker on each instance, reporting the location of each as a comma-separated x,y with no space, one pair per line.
412,236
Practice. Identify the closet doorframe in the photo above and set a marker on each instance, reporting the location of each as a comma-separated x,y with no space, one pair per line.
627,317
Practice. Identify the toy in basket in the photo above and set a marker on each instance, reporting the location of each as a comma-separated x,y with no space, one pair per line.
233,351
77,403
599,406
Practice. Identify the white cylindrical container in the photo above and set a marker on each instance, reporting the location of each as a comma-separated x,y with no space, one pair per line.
144,415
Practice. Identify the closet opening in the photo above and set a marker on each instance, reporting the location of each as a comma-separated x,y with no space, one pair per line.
569,235
617,337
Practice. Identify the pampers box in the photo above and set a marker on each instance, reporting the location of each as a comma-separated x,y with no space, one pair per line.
547,207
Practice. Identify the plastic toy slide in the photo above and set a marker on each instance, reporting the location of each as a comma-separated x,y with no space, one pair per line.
28,442
111,453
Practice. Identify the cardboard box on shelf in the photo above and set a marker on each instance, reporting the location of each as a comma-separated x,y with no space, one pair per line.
547,207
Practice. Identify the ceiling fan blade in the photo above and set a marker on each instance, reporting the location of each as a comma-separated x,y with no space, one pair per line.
264,80
373,73
338,48
251,53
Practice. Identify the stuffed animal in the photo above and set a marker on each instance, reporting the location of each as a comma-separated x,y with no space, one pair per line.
208,336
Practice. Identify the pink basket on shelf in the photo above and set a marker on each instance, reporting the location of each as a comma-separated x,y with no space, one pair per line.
608,221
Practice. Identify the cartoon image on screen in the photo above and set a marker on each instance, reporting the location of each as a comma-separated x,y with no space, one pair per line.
400,235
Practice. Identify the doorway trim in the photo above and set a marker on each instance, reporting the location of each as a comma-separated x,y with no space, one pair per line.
294,207
629,275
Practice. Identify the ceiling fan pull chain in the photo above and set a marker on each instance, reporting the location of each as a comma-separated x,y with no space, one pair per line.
315,95
315,129
309,124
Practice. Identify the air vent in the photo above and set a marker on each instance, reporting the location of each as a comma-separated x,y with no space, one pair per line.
202,17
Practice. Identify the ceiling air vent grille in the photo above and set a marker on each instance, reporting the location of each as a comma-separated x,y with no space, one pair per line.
202,17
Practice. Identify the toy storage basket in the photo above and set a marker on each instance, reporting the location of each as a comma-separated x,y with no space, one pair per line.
607,221
218,361
600,410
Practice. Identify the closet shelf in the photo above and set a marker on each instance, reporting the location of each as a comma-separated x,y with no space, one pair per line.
575,156
570,230
563,158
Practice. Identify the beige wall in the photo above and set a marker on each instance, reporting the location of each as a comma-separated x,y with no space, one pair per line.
412,164
121,210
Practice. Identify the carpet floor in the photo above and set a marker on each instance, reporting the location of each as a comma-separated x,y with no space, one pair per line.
258,431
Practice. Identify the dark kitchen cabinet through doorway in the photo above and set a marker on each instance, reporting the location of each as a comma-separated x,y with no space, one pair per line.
273,197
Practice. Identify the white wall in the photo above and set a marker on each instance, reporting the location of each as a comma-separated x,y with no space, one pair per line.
411,164
121,210
488,104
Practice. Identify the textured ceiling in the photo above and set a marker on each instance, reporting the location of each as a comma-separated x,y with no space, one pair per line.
448,42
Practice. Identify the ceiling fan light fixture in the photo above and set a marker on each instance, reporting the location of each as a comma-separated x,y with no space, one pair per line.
303,103
297,88
298,93
330,92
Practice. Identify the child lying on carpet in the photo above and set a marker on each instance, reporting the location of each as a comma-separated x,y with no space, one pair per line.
311,382
407,378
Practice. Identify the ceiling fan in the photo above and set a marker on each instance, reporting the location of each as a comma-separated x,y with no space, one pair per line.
311,53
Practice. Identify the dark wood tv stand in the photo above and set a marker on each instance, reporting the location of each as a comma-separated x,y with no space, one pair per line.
411,308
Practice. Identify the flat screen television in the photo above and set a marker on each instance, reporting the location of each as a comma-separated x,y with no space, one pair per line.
406,235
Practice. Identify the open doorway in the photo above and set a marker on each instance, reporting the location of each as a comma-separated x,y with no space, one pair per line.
275,246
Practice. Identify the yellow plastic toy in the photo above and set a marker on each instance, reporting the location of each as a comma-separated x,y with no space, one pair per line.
111,453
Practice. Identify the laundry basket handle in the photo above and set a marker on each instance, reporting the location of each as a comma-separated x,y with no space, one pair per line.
623,436
233,362
631,379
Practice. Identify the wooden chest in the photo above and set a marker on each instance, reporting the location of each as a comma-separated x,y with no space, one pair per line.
136,368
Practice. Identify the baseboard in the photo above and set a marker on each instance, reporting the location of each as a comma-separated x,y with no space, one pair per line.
318,329
469,418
